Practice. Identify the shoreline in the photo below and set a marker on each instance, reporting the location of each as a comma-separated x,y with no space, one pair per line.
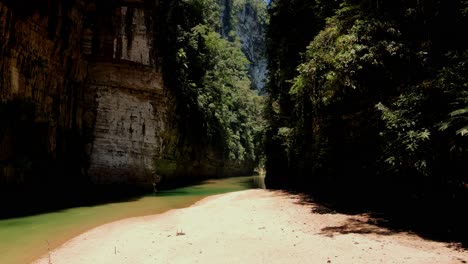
32,233
252,226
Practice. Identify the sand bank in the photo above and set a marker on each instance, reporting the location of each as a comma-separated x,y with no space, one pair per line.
253,226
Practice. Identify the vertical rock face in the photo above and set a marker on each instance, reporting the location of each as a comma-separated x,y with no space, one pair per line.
129,121
247,18
134,38
82,97
80,89
130,101
42,76
251,31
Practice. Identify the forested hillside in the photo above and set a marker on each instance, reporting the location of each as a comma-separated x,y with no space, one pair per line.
368,100
216,108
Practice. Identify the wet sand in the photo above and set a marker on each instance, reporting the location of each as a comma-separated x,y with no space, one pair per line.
253,226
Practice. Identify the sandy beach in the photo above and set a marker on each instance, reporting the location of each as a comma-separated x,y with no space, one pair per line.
253,226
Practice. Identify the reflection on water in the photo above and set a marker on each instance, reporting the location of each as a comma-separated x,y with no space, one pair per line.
25,238
259,182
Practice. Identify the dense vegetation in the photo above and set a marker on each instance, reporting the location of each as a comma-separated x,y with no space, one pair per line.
216,109
368,99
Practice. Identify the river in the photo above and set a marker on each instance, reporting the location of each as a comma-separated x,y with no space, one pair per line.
24,239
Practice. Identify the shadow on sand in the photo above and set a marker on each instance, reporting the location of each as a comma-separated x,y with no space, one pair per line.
365,219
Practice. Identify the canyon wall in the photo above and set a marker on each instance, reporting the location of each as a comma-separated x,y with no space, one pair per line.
129,113
82,98
251,29
43,75
248,19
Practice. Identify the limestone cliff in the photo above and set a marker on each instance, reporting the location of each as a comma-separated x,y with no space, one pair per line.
129,107
42,81
248,19
82,97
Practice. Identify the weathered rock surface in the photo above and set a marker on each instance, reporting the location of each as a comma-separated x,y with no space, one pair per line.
251,31
248,21
42,77
130,117
129,113
82,97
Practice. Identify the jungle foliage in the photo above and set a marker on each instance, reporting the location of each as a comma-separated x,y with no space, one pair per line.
368,99
209,75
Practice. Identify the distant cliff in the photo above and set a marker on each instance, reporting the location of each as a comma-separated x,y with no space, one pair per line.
248,19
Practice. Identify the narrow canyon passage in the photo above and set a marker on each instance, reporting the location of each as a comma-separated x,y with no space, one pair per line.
109,107
105,100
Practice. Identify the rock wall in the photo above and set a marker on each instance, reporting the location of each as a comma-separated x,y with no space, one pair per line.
81,92
130,98
248,19
251,28
42,77
82,98
181,160
130,117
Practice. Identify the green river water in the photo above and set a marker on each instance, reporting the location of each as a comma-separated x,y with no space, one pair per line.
26,238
